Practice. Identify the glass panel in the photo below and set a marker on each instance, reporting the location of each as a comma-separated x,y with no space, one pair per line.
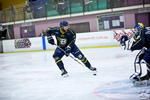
76,6
134,2
8,15
39,8
19,14
51,8
90,5
102,4
124,3
58,7
146,1
2,17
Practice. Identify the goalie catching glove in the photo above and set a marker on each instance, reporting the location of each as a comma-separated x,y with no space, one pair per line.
125,42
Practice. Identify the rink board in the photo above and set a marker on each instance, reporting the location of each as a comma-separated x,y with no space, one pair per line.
90,39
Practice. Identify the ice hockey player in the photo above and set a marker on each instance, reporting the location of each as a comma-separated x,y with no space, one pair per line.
139,41
66,38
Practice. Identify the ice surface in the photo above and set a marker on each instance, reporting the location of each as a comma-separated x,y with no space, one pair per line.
35,76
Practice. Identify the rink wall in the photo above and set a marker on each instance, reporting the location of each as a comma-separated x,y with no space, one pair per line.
91,39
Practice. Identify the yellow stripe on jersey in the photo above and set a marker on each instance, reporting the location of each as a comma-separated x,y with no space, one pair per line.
58,61
136,43
71,31
61,31
85,61
73,38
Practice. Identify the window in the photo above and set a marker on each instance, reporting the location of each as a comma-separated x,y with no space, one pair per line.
110,21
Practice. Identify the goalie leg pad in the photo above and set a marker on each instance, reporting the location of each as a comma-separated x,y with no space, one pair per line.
139,62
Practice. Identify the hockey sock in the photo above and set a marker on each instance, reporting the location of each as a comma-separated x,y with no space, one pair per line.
86,63
60,64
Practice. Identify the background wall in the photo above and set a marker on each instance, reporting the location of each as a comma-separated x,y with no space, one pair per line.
143,18
131,18
43,25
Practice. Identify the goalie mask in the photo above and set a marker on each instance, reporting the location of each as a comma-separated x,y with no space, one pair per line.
138,30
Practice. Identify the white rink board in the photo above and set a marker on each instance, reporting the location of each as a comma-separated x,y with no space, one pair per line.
93,39
9,45
90,39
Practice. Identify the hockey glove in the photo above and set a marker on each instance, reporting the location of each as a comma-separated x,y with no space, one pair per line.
51,40
123,41
67,51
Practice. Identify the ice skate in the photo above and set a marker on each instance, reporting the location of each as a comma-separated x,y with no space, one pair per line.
94,70
64,73
146,77
141,81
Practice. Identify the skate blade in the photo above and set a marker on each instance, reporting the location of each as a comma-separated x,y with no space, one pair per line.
140,83
66,75
94,73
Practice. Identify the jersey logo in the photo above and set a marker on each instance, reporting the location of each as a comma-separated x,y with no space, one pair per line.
63,41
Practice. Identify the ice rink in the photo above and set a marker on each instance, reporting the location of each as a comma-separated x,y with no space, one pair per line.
35,76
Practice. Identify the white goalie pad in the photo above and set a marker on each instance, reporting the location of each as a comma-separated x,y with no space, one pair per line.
139,63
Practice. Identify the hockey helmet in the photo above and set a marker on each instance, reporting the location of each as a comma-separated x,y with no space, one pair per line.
138,28
63,23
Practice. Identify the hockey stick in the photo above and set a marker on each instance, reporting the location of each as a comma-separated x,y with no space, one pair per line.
75,59
69,55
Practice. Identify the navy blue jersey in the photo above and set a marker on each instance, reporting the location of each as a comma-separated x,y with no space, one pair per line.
64,39
142,41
